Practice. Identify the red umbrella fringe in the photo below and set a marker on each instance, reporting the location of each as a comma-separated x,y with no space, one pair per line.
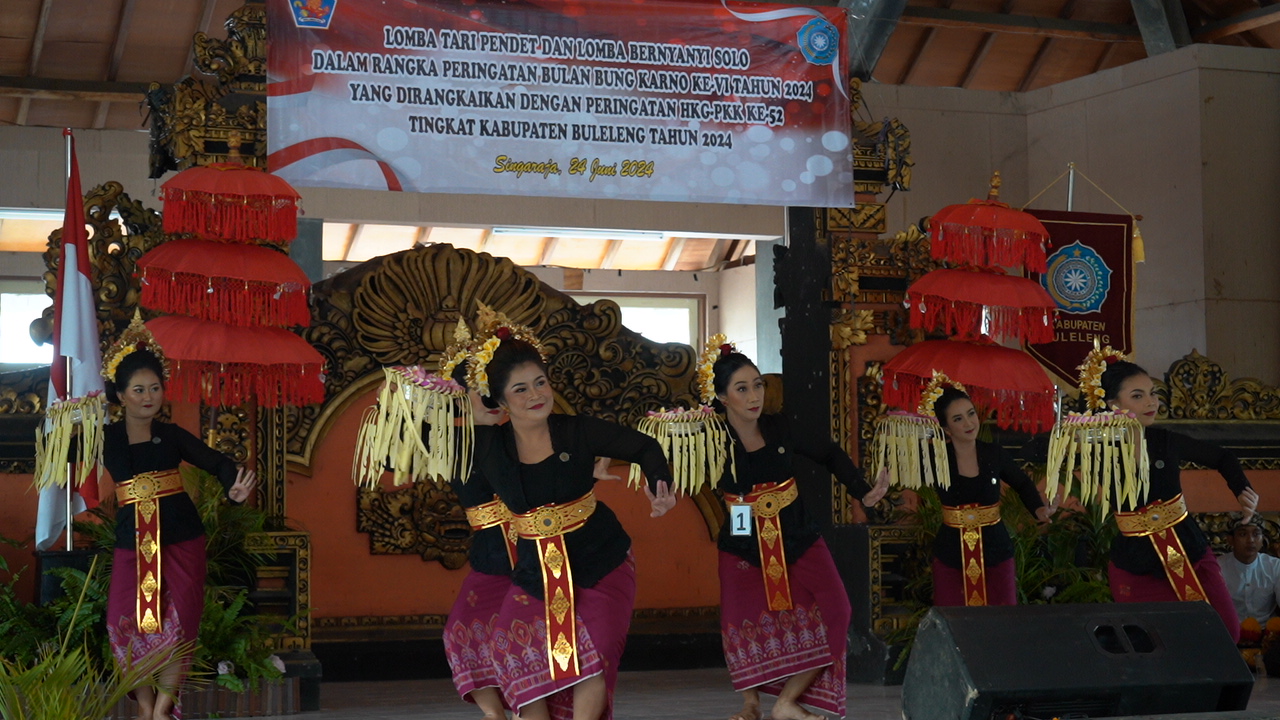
984,247
1031,412
240,218
964,319
226,300
235,383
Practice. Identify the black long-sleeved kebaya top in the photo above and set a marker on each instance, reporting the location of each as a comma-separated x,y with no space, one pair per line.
1166,450
169,446
599,546
773,464
994,465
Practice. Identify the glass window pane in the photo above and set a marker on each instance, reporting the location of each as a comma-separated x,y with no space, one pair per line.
17,310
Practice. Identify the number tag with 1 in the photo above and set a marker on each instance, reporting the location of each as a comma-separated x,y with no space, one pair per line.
740,522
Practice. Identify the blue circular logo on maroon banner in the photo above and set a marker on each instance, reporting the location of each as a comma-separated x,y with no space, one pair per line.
819,41
1077,278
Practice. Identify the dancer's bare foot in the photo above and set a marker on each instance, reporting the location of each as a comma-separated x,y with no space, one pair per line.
749,711
788,710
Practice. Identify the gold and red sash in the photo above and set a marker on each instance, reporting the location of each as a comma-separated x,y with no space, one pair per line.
495,514
144,492
969,520
547,526
766,501
1156,521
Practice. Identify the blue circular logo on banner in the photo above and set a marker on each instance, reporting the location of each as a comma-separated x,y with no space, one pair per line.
819,41
1077,278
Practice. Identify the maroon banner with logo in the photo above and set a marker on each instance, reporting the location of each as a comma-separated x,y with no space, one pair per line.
1090,276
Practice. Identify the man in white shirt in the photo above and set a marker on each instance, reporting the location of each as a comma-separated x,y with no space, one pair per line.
1252,577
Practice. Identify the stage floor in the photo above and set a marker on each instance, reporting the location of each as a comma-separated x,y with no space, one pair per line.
653,695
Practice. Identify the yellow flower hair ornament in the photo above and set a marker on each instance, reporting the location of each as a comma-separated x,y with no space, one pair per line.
1104,451
135,337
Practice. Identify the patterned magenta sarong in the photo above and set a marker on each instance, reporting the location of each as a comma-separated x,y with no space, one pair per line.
602,620
468,634
1127,587
181,601
764,648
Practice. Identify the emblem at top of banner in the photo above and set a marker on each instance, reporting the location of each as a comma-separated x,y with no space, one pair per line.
819,41
313,14
1077,278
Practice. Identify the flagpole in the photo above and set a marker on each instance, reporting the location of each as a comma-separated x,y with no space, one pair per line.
70,468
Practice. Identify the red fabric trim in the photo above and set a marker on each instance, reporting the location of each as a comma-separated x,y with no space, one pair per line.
239,218
1028,411
964,319
235,383
985,247
299,151
225,300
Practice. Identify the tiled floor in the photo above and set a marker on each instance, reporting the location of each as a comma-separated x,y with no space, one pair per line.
655,695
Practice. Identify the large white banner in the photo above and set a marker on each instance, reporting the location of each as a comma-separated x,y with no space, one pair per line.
687,101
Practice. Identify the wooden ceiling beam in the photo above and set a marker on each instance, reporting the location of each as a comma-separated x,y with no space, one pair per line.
33,88
909,71
1046,47
933,17
117,54
984,47
1236,24
675,248
33,60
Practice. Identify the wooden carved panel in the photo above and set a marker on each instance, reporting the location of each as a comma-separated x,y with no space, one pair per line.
417,519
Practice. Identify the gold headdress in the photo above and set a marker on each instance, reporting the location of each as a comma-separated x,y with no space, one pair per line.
413,399
696,441
1108,448
135,337
913,445
492,328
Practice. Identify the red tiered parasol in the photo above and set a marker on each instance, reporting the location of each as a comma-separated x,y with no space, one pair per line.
1007,381
227,364
968,304
230,202
227,283
988,233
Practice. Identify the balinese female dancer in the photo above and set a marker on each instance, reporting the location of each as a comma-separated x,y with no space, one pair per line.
1158,541
563,625
982,573
158,573
468,631
784,614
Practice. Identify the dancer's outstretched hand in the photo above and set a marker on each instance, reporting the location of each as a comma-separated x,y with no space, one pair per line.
1248,504
245,481
662,501
881,487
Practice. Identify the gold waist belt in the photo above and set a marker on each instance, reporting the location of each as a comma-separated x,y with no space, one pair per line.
1155,522
970,516
766,501
553,520
969,520
547,526
149,486
490,514
143,492
1153,518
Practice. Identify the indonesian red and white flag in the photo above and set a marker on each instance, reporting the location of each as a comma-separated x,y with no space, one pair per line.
75,348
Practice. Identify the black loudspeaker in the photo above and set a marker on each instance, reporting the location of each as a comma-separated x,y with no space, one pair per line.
1055,661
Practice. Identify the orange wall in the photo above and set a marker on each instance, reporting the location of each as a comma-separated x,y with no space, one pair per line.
675,557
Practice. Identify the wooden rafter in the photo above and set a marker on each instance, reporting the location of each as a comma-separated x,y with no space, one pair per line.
1042,53
984,47
1019,24
675,248
909,70
1236,24
117,53
31,88
37,47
